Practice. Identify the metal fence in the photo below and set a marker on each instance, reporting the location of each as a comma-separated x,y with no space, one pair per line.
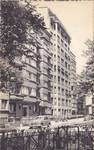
64,138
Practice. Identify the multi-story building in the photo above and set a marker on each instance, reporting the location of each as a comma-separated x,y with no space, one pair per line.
73,83
35,88
61,81
80,95
31,95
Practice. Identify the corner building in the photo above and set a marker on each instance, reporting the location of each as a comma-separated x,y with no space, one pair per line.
61,68
32,96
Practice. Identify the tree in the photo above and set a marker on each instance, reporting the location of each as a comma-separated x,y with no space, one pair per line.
87,84
16,19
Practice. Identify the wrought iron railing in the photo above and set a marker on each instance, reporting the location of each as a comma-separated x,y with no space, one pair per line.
64,138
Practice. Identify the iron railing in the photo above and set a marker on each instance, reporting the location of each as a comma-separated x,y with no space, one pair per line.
64,138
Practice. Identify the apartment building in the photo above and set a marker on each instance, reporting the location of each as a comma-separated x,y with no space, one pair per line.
73,84
62,61
80,96
31,95
35,87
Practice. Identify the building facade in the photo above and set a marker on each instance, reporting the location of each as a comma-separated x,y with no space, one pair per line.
73,84
80,96
35,88
31,95
89,104
61,58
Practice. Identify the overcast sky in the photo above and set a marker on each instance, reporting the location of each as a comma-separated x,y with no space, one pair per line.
77,17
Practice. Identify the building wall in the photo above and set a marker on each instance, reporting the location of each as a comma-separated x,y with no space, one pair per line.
35,87
73,84
80,96
61,86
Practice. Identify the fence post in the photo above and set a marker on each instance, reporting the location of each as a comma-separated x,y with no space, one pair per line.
67,137
78,139
53,140
3,147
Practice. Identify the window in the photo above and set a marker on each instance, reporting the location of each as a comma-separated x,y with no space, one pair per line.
55,89
62,42
66,64
55,103
34,49
27,60
33,77
24,58
29,107
59,80
66,102
54,26
13,107
62,91
65,45
55,79
58,69
58,89
54,67
25,90
33,92
58,59
25,74
66,55
66,83
68,67
58,27
20,107
3,104
62,81
58,110
58,49
62,61
58,103
45,96
58,39
62,53
72,88
33,63
62,71
58,99
45,84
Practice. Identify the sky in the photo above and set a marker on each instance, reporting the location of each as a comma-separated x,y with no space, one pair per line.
77,18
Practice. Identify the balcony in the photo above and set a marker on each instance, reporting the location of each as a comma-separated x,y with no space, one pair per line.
18,62
31,99
15,97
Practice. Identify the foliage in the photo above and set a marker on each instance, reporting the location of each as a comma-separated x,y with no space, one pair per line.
87,84
15,21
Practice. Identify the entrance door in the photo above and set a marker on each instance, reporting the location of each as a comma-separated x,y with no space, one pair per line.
24,111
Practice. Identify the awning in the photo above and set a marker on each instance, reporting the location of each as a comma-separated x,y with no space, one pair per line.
31,99
45,104
14,97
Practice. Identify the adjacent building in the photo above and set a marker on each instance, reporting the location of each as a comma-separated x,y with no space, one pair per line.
31,95
64,67
35,88
80,96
